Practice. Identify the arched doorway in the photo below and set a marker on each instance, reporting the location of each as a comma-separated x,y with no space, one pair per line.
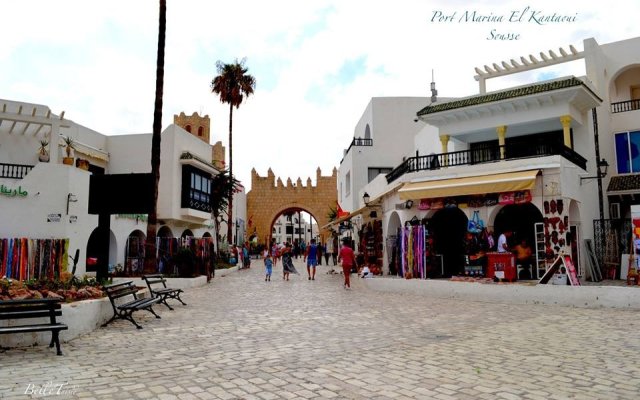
93,250
394,250
134,253
186,233
519,219
449,226
297,226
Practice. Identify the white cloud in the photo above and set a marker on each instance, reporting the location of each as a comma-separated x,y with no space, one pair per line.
96,60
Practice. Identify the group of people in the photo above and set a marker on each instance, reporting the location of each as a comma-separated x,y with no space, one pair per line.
346,257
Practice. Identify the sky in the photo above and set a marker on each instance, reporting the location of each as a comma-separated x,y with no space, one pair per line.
317,63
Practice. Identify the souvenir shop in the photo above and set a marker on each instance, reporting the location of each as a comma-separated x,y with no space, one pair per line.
25,259
454,237
371,245
167,249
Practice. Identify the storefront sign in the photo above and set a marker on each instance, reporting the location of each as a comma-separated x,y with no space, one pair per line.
7,191
54,217
425,204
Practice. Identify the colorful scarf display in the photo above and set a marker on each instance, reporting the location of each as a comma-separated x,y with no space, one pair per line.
413,260
24,258
166,248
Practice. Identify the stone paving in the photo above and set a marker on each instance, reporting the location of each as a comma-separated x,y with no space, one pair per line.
243,338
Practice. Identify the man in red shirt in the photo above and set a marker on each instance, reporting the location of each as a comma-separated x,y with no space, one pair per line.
348,260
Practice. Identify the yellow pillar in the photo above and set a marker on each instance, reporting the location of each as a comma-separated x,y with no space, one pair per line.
444,139
565,120
502,133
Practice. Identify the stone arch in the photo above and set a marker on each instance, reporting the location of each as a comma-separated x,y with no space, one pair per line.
294,209
268,198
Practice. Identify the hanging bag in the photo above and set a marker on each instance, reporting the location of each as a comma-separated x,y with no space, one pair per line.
475,224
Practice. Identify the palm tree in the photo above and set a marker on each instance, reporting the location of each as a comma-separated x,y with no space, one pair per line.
232,85
221,184
152,220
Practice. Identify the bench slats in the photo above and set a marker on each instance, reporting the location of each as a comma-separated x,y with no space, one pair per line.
32,328
33,308
125,310
164,292
19,314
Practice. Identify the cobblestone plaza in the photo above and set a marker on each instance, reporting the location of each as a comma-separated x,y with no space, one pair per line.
243,338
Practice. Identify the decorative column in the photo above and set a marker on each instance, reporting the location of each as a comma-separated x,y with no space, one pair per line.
444,139
502,133
565,120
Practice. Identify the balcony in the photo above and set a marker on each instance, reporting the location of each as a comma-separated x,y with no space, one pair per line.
624,106
487,154
14,171
358,142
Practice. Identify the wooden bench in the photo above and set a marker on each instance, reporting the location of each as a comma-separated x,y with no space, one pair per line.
126,310
163,293
33,308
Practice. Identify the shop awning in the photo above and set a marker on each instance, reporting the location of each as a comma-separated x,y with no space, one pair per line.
495,183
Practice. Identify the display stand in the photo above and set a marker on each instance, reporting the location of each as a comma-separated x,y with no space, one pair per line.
565,261
541,265
501,266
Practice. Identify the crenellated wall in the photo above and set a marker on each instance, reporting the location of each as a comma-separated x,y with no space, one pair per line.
269,197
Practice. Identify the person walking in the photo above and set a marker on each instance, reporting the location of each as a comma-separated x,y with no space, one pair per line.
328,250
319,252
310,257
348,259
268,265
287,262
275,253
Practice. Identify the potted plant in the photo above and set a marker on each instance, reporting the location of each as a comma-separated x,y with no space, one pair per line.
82,164
69,144
43,154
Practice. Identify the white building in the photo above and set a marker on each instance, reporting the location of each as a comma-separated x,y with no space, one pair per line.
52,198
294,227
524,160
382,137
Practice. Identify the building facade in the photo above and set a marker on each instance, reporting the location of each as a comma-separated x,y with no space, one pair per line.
529,160
52,198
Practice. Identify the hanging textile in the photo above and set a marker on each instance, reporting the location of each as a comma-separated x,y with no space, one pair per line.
25,258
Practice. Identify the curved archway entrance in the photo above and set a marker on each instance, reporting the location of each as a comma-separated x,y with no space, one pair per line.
268,199
393,252
294,225
134,252
93,250
449,226
519,219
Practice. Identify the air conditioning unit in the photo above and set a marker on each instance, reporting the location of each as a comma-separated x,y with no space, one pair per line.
614,210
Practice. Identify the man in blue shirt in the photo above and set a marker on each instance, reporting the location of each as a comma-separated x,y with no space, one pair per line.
311,257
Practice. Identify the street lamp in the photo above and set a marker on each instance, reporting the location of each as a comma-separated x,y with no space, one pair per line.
603,167
366,198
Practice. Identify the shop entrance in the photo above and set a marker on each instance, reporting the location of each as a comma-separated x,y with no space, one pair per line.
519,219
449,226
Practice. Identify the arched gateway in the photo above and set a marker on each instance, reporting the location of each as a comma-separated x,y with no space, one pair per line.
267,200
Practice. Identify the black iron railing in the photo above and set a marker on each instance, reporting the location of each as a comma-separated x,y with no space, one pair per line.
358,142
485,155
14,171
623,106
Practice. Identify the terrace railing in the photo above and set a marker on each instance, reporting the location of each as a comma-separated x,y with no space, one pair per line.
14,171
485,155
624,106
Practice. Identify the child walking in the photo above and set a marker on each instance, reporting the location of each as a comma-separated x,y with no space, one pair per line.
268,265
